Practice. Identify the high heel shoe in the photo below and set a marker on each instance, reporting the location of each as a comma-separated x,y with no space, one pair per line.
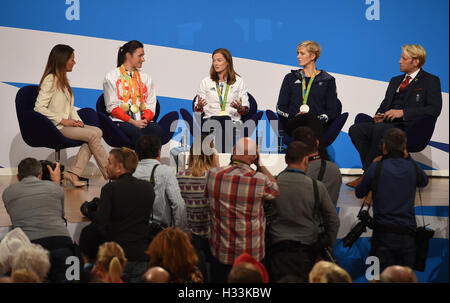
69,177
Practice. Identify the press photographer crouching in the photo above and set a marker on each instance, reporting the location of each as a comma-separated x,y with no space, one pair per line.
37,207
304,221
394,221
122,212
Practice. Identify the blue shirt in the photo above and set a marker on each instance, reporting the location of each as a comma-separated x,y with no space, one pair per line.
393,202
167,193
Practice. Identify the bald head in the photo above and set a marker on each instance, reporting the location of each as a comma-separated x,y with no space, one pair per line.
245,273
156,274
399,274
245,150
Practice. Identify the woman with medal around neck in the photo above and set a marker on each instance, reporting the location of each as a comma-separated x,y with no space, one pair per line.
308,96
56,101
130,96
223,95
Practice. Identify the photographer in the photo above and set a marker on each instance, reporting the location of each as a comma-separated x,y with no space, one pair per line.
393,239
294,230
37,207
123,212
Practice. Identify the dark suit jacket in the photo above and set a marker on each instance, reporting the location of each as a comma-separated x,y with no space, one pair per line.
423,96
123,214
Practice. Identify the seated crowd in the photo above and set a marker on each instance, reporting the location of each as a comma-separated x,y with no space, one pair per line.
205,224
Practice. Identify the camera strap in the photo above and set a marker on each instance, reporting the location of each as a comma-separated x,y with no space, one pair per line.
323,166
316,205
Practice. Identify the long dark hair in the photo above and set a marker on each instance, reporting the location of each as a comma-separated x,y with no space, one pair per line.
128,47
231,74
56,65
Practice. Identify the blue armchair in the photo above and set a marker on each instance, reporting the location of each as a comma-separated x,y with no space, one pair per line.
418,132
114,137
37,130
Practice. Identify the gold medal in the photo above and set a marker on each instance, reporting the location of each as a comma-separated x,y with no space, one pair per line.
124,106
142,107
134,108
223,113
304,108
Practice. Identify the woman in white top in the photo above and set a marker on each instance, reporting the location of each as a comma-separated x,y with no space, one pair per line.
55,101
130,96
223,95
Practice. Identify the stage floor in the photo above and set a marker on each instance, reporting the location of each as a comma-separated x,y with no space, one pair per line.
435,194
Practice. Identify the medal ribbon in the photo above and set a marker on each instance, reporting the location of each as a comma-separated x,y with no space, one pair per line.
305,91
134,85
223,102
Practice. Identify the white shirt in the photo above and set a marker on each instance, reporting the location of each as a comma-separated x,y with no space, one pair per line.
112,90
236,91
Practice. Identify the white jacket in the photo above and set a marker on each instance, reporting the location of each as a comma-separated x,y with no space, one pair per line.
112,90
208,91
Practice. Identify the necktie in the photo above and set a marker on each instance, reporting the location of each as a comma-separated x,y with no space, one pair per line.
404,83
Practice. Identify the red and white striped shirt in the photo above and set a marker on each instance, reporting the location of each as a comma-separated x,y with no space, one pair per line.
236,193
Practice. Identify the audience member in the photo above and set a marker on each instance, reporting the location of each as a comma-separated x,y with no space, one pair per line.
24,276
32,258
9,246
37,207
192,184
398,274
236,194
318,168
89,243
124,212
295,228
172,250
395,178
169,208
110,262
243,270
327,272
156,274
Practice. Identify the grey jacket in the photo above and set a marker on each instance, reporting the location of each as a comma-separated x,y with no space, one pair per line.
37,207
294,209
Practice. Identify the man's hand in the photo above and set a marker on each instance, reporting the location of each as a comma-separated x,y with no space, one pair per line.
379,117
393,114
55,175
257,161
138,123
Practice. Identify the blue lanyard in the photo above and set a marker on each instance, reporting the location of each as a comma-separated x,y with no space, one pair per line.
294,170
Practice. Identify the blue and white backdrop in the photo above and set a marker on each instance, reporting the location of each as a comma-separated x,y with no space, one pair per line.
361,44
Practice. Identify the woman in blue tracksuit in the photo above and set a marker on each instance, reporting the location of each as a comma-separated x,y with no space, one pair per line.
308,96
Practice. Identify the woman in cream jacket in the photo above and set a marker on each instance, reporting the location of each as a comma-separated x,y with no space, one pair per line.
56,102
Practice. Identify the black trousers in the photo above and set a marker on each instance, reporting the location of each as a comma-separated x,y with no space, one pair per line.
366,137
296,261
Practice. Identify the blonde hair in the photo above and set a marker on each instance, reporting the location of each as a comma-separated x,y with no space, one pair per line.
415,51
111,257
336,274
198,164
312,47
318,270
25,276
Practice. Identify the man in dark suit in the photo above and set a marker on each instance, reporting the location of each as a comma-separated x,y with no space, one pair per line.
124,211
411,95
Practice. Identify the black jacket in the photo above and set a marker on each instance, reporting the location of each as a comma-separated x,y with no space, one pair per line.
422,97
123,214
322,97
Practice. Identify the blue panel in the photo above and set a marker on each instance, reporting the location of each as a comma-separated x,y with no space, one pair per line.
438,211
439,145
261,29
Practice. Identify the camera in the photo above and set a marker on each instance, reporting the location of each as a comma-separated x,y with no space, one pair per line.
365,221
46,172
88,208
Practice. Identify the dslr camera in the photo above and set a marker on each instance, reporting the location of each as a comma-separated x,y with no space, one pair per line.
46,172
88,208
365,221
